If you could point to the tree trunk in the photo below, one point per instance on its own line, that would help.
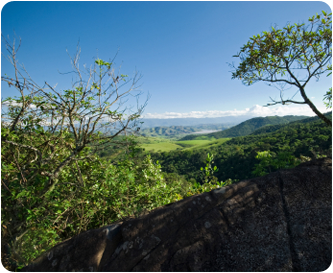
(314, 109)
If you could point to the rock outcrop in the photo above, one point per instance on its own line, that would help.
(279, 222)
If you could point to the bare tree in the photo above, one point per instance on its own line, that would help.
(45, 130)
(91, 111)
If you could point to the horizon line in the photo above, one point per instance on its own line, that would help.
(254, 111)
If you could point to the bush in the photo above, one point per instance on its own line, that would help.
(110, 192)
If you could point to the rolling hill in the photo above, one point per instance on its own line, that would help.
(247, 127)
(236, 157)
(273, 128)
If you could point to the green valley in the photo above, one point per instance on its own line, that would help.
(164, 145)
(236, 157)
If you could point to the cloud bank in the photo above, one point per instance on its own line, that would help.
(255, 111)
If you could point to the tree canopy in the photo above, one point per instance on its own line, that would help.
(289, 56)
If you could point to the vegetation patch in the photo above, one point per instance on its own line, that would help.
(192, 143)
(161, 146)
(236, 157)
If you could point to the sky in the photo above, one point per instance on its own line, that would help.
(181, 49)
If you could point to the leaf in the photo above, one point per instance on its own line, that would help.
(21, 194)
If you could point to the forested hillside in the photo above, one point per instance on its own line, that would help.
(272, 128)
(247, 127)
(236, 158)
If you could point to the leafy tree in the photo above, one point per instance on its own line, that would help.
(264, 164)
(209, 170)
(210, 181)
(269, 161)
(289, 56)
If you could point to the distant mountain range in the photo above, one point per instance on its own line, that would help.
(230, 120)
(180, 131)
(257, 126)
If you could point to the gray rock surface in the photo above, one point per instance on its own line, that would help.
(279, 222)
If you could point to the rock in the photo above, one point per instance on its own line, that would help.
(279, 222)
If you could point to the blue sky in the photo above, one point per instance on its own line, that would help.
(181, 49)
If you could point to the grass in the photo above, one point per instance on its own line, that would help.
(165, 145)
(204, 137)
(191, 143)
(158, 144)
(212, 143)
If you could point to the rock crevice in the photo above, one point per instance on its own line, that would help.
(294, 258)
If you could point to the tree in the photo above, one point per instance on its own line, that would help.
(289, 56)
(91, 106)
(49, 140)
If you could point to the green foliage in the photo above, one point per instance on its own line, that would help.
(328, 98)
(265, 162)
(89, 194)
(269, 162)
(163, 145)
(289, 56)
(53, 184)
(272, 128)
(235, 158)
(198, 188)
(209, 170)
(95, 192)
(107, 193)
(273, 50)
(210, 182)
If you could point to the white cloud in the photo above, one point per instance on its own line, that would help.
(255, 111)
(15, 104)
